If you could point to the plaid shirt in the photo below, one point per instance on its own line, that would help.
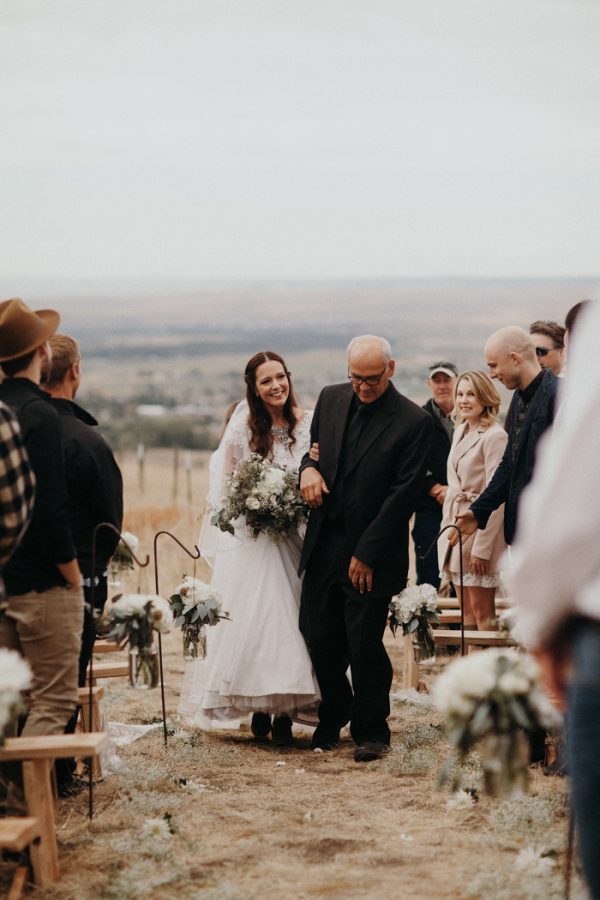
(17, 487)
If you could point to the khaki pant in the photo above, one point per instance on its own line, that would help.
(46, 629)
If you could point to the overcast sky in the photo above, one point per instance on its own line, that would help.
(299, 138)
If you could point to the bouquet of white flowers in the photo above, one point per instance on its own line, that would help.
(122, 558)
(136, 617)
(493, 698)
(15, 677)
(194, 605)
(415, 609)
(266, 495)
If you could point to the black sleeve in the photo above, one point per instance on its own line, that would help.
(51, 509)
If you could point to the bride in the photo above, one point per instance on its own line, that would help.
(257, 663)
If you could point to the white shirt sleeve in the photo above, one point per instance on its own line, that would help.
(555, 561)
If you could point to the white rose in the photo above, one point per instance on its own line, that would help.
(273, 479)
(252, 503)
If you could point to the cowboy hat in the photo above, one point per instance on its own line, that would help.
(22, 330)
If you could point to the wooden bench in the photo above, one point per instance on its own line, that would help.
(15, 835)
(445, 636)
(37, 755)
(104, 646)
(109, 670)
(446, 603)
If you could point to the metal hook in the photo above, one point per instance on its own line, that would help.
(460, 563)
(142, 565)
(195, 556)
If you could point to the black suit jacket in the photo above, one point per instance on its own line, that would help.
(381, 485)
(437, 462)
(509, 480)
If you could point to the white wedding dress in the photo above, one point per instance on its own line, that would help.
(258, 661)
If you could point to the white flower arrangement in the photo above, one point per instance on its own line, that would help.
(493, 697)
(415, 610)
(122, 558)
(15, 677)
(266, 495)
(136, 616)
(194, 605)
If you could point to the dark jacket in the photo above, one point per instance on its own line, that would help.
(509, 480)
(437, 461)
(94, 485)
(48, 539)
(381, 485)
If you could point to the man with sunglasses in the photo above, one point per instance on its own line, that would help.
(362, 491)
(549, 342)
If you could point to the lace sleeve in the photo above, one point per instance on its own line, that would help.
(234, 446)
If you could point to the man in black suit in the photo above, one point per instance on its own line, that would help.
(362, 491)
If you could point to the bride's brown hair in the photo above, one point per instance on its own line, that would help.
(259, 420)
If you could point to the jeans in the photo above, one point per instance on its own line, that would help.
(583, 741)
(427, 523)
(46, 629)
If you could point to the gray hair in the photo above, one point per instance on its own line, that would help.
(372, 341)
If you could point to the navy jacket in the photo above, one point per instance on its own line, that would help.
(508, 481)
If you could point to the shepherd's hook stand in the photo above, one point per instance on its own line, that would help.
(142, 565)
(460, 563)
(160, 656)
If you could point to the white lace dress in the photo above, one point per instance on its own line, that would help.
(259, 660)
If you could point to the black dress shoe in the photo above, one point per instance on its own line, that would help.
(281, 732)
(324, 740)
(260, 725)
(370, 750)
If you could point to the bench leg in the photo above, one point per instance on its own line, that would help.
(40, 804)
(18, 884)
(94, 725)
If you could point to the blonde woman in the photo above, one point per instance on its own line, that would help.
(477, 448)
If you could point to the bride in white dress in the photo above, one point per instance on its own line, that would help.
(258, 663)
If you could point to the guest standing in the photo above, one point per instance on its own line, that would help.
(428, 516)
(549, 342)
(478, 446)
(43, 618)
(94, 483)
(511, 359)
(556, 577)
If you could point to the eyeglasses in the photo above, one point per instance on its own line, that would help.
(371, 380)
(543, 351)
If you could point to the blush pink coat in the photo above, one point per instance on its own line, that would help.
(473, 459)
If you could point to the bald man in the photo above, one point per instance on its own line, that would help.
(373, 445)
(511, 358)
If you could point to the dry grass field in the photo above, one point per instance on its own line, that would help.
(242, 820)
